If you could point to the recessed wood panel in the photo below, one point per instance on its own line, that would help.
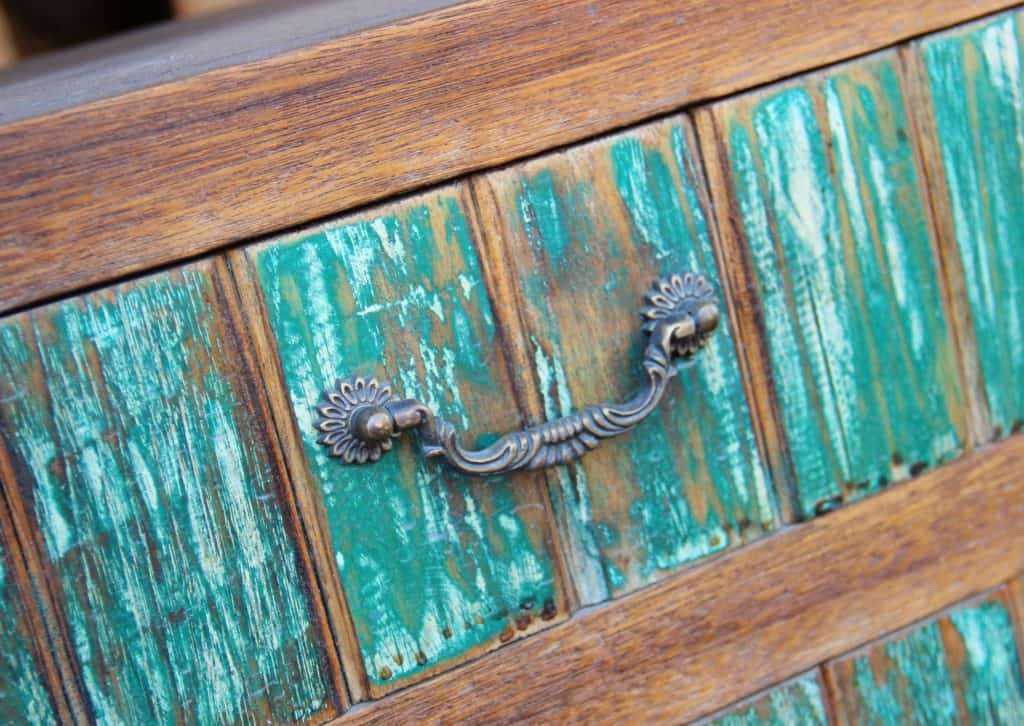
(581, 235)
(136, 449)
(822, 206)
(435, 566)
(798, 702)
(962, 668)
(973, 117)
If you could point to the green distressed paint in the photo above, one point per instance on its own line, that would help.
(962, 668)
(589, 230)
(861, 353)
(977, 90)
(23, 695)
(799, 702)
(134, 445)
(434, 565)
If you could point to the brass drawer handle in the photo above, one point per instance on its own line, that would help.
(359, 416)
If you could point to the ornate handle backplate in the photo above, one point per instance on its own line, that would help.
(359, 417)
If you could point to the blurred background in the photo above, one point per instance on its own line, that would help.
(32, 27)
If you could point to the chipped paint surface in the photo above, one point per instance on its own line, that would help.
(831, 208)
(589, 230)
(963, 668)
(797, 703)
(23, 695)
(977, 91)
(134, 446)
(434, 565)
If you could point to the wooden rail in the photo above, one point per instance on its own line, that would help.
(731, 626)
(160, 174)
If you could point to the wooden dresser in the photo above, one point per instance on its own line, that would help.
(220, 242)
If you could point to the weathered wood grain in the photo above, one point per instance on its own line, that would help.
(972, 111)
(710, 635)
(800, 702)
(170, 171)
(25, 696)
(582, 235)
(826, 213)
(962, 668)
(436, 567)
(127, 419)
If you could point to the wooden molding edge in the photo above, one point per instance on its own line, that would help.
(258, 382)
(311, 520)
(166, 173)
(954, 279)
(711, 635)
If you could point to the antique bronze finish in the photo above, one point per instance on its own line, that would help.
(359, 416)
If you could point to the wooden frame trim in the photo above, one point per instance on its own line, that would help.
(711, 635)
(166, 173)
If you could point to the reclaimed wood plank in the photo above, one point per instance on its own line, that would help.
(436, 567)
(710, 635)
(128, 422)
(25, 694)
(584, 233)
(826, 212)
(962, 668)
(152, 172)
(801, 701)
(973, 115)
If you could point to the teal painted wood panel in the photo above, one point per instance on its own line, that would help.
(134, 443)
(963, 668)
(829, 204)
(587, 231)
(977, 105)
(800, 702)
(23, 694)
(435, 566)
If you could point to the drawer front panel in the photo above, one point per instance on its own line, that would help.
(23, 695)
(586, 232)
(963, 668)
(132, 438)
(801, 701)
(434, 565)
(831, 213)
(974, 80)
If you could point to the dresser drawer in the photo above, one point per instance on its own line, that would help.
(640, 380)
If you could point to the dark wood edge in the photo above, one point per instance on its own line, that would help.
(921, 113)
(744, 621)
(256, 386)
(162, 174)
(312, 519)
(743, 301)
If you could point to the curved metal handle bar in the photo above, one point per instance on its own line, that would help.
(359, 417)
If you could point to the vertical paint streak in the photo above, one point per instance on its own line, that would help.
(435, 565)
(159, 511)
(862, 356)
(974, 77)
(589, 230)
